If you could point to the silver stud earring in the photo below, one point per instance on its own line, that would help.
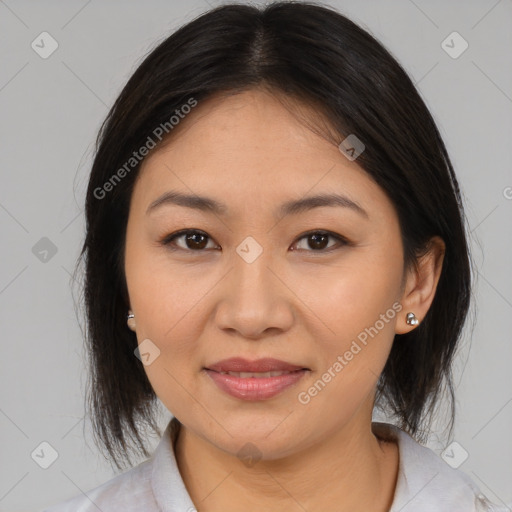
(130, 320)
(411, 319)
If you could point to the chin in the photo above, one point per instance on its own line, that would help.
(255, 437)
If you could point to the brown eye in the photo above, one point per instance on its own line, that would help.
(192, 240)
(317, 241)
(196, 240)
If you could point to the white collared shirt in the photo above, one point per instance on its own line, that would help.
(425, 483)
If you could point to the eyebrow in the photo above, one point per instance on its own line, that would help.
(292, 207)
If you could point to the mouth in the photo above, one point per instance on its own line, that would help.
(258, 375)
(254, 380)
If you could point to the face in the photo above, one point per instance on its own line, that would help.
(316, 286)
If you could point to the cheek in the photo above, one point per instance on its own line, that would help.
(166, 308)
(160, 291)
(170, 313)
(353, 308)
(353, 295)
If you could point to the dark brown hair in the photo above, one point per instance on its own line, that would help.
(314, 55)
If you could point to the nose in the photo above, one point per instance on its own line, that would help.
(254, 299)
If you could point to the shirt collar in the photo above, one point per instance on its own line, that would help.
(168, 487)
(424, 480)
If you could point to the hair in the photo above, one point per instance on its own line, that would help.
(315, 56)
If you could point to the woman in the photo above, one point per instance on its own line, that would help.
(275, 248)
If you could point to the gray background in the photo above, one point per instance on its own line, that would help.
(51, 110)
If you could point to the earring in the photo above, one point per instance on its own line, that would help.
(130, 320)
(411, 319)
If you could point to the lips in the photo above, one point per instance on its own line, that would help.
(240, 366)
(254, 380)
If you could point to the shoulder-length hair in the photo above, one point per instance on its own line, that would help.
(314, 55)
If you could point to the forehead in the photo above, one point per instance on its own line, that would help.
(250, 149)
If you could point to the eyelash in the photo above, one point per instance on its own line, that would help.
(169, 239)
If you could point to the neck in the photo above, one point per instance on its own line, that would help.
(349, 470)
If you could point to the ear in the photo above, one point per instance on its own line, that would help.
(421, 284)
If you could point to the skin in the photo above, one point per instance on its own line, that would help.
(302, 305)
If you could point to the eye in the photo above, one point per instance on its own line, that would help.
(197, 240)
(193, 239)
(318, 240)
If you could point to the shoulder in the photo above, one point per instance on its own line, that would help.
(426, 482)
(128, 491)
(155, 485)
